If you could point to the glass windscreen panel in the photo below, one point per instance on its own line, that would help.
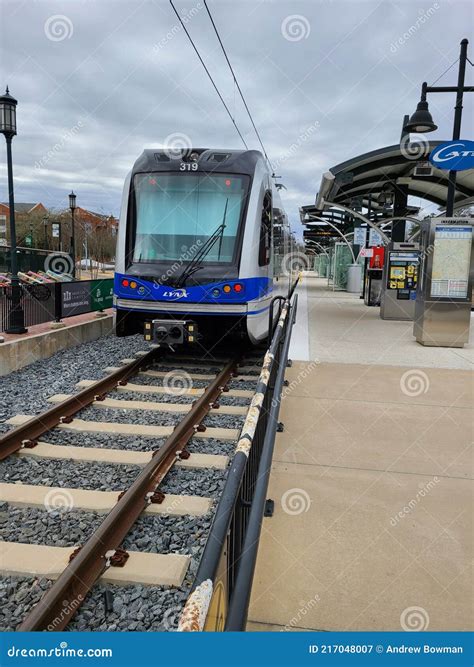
(176, 213)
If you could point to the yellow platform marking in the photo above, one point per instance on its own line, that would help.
(50, 497)
(17, 559)
(44, 450)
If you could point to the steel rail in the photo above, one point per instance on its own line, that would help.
(196, 609)
(94, 556)
(28, 432)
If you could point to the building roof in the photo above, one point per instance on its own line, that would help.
(367, 174)
(21, 207)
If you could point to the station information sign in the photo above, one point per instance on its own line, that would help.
(359, 236)
(451, 261)
(374, 237)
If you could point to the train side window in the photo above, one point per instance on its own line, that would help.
(265, 231)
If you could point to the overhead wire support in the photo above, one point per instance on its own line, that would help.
(236, 82)
(208, 73)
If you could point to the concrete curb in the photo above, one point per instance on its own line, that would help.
(22, 352)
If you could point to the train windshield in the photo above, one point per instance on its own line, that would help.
(177, 213)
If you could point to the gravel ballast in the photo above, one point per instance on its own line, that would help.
(130, 607)
(105, 476)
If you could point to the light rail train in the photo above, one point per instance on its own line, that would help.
(203, 246)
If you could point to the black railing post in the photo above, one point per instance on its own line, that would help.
(58, 302)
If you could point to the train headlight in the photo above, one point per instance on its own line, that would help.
(227, 289)
(215, 292)
(133, 284)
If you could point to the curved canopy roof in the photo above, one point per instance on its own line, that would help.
(368, 174)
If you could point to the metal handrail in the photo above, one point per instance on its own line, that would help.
(239, 603)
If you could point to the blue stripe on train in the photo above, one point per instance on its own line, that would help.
(254, 288)
(186, 312)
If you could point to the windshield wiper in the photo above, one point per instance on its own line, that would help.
(195, 262)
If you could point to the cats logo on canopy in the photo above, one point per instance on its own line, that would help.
(453, 155)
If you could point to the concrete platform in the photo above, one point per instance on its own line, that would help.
(372, 480)
(337, 327)
(44, 340)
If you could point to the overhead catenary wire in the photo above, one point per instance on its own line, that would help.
(236, 82)
(445, 71)
(208, 73)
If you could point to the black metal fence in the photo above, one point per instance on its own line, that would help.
(28, 259)
(227, 567)
(56, 301)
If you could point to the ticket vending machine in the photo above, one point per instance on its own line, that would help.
(399, 281)
(444, 300)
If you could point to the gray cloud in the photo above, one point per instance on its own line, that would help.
(109, 78)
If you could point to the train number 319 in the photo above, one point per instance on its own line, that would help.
(188, 166)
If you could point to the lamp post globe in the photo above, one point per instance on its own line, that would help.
(16, 316)
(421, 121)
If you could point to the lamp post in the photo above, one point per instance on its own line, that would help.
(72, 206)
(16, 319)
(45, 225)
(421, 120)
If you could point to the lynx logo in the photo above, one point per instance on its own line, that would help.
(176, 294)
(453, 155)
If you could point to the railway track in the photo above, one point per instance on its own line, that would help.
(108, 480)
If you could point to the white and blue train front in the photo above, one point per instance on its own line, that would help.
(201, 239)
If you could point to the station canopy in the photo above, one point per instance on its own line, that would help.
(376, 173)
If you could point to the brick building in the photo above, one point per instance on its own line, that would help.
(22, 211)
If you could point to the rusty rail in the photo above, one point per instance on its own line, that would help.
(20, 436)
(94, 556)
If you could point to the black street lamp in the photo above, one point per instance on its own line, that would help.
(72, 206)
(421, 120)
(16, 319)
(45, 225)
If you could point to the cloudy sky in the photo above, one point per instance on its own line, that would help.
(99, 80)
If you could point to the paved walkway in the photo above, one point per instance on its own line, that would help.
(372, 479)
(46, 327)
